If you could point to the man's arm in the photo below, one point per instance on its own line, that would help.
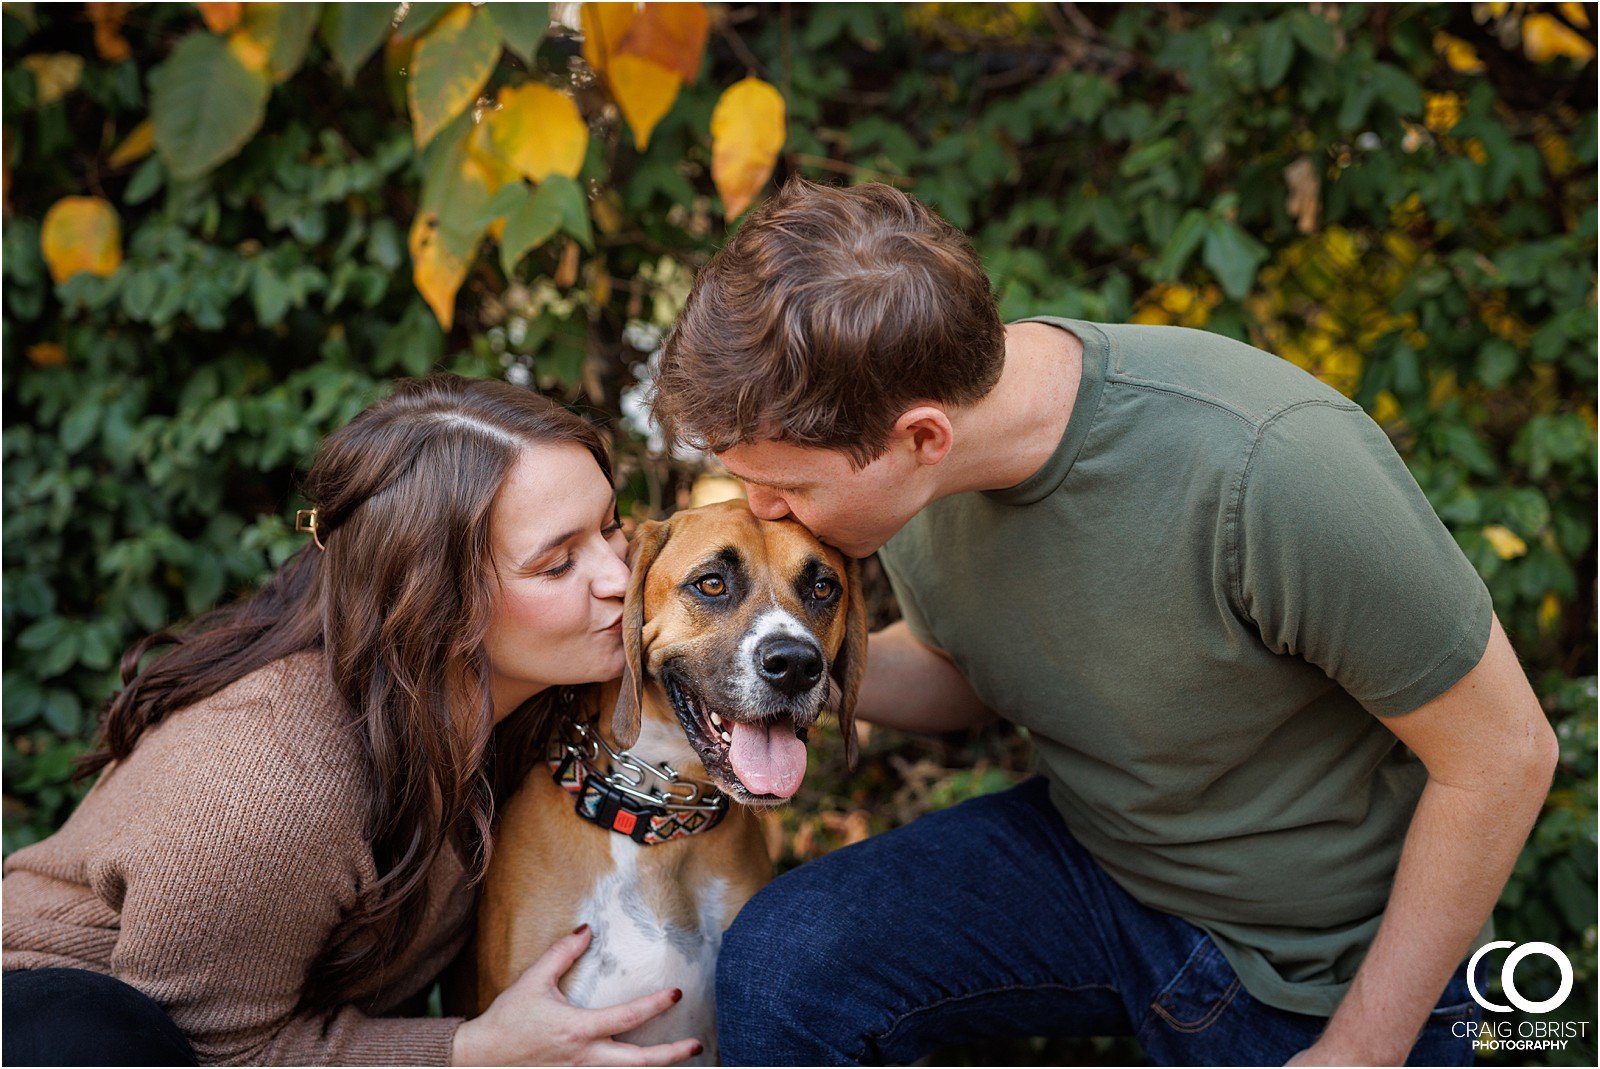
(915, 687)
(1490, 755)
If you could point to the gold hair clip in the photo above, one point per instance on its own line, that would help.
(305, 520)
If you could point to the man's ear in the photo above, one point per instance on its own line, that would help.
(850, 663)
(927, 432)
(625, 720)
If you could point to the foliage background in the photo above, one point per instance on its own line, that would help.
(1400, 198)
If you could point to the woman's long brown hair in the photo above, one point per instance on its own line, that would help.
(399, 604)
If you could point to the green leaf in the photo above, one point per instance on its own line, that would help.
(418, 18)
(574, 207)
(146, 180)
(148, 607)
(1233, 256)
(448, 71)
(1398, 89)
(205, 105)
(1497, 363)
(269, 293)
(79, 426)
(1276, 52)
(522, 27)
(353, 32)
(63, 711)
(1185, 239)
(1357, 102)
(1315, 32)
(288, 27)
(43, 634)
(511, 196)
(533, 223)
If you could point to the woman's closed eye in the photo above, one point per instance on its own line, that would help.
(570, 558)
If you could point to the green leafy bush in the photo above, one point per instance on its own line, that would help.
(1399, 198)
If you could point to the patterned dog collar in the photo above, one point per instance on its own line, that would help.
(622, 801)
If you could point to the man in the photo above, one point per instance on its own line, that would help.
(1210, 590)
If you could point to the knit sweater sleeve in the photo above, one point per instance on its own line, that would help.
(229, 885)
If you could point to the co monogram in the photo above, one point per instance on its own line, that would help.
(1508, 981)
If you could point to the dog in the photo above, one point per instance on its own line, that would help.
(738, 633)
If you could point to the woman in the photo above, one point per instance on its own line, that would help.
(295, 799)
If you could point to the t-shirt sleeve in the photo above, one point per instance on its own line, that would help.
(228, 897)
(1340, 559)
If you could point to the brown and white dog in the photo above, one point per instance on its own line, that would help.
(738, 634)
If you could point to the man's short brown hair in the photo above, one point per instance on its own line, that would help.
(828, 314)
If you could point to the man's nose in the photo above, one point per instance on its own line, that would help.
(766, 504)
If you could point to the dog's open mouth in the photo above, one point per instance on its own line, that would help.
(767, 756)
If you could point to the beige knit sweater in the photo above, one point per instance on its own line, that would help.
(209, 868)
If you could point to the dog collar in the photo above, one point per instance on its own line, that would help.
(621, 801)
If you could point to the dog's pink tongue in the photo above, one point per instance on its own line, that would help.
(767, 757)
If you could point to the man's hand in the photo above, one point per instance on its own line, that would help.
(915, 687)
(1490, 755)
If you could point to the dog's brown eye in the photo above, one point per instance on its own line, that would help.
(823, 589)
(711, 586)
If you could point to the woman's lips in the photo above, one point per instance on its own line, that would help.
(614, 629)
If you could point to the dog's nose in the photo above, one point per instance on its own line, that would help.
(791, 665)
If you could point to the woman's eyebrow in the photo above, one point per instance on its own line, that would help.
(610, 510)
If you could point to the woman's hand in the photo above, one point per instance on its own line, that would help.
(532, 1023)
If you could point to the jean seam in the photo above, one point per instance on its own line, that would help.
(901, 1018)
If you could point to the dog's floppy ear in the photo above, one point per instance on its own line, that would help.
(642, 553)
(851, 661)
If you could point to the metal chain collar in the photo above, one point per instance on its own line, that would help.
(628, 774)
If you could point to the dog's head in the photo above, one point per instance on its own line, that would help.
(742, 631)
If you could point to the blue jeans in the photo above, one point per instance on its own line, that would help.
(989, 920)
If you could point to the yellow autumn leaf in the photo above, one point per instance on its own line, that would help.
(47, 354)
(604, 27)
(1386, 409)
(1458, 54)
(1442, 111)
(81, 234)
(1545, 37)
(437, 272)
(567, 270)
(537, 131)
(485, 168)
(447, 230)
(1505, 542)
(748, 129)
(108, 40)
(644, 90)
(1442, 389)
(671, 35)
(253, 55)
(136, 146)
(56, 74)
(1549, 611)
(221, 18)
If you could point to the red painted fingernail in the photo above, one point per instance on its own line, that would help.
(698, 1049)
(580, 929)
(677, 993)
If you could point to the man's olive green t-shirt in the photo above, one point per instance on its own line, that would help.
(1201, 607)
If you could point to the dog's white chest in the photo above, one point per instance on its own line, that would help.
(635, 951)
